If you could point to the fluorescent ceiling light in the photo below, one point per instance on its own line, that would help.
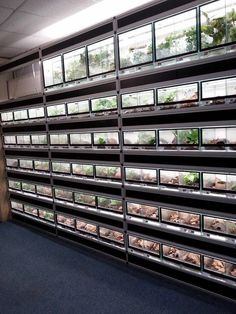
(94, 14)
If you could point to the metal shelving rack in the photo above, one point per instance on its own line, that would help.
(152, 76)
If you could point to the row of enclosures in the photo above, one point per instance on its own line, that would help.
(205, 27)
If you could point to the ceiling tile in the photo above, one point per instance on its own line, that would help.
(9, 52)
(4, 14)
(12, 4)
(8, 38)
(28, 42)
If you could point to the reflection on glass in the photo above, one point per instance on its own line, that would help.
(13, 184)
(219, 88)
(111, 235)
(85, 199)
(64, 194)
(17, 206)
(78, 107)
(41, 165)
(82, 225)
(66, 221)
(28, 187)
(103, 104)
(220, 266)
(30, 210)
(111, 172)
(58, 139)
(39, 139)
(139, 99)
(135, 46)
(220, 225)
(214, 136)
(12, 162)
(9, 139)
(181, 255)
(44, 190)
(23, 139)
(179, 93)
(101, 57)
(75, 64)
(144, 245)
(108, 138)
(109, 203)
(143, 210)
(7, 116)
(180, 218)
(46, 214)
(36, 113)
(214, 181)
(173, 37)
(81, 139)
(56, 110)
(61, 167)
(52, 70)
(218, 23)
(145, 138)
(178, 137)
(20, 115)
(82, 170)
(141, 175)
(179, 178)
(28, 164)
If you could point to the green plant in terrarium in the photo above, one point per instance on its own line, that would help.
(146, 138)
(105, 104)
(191, 38)
(49, 216)
(76, 69)
(191, 179)
(101, 141)
(188, 137)
(168, 97)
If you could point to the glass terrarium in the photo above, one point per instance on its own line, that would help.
(215, 137)
(41, 165)
(220, 225)
(148, 176)
(219, 266)
(109, 204)
(214, 181)
(61, 167)
(231, 183)
(10, 162)
(84, 226)
(28, 187)
(52, 71)
(20, 115)
(30, 210)
(140, 138)
(85, 199)
(35, 113)
(83, 170)
(178, 94)
(104, 104)
(75, 64)
(59, 139)
(13, 184)
(111, 235)
(46, 215)
(142, 210)
(139, 99)
(10, 140)
(219, 88)
(182, 256)
(78, 107)
(101, 57)
(181, 218)
(23, 139)
(173, 37)
(108, 172)
(66, 221)
(180, 178)
(135, 46)
(56, 110)
(44, 190)
(218, 23)
(27, 164)
(146, 245)
(39, 139)
(17, 206)
(106, 138)
(81, 139)
(63, 194)
(6, 116)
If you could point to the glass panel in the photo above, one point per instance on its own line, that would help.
(20, 115)
(110, 203)
(39, 139)
(14, 184)
(108, 172)
(142, 210)
(66, 221)
(218, 88)
(58, 139)
(12, 162)
(7, 116)
(179, 178)
(28, 187)
(231, 183)
(86, 227)
(141, 175)
(110, 138)
(9, 140)
(167, 137)
(56, 110)
(144, 245)
(17, 206)
(61, 167)
(46, 214)
(26, 164)
(215, 136)
(173, 37)
(135, 46)
(219, 266)
(231, 136)
(85, 199)
(52, 70)
(75, 64)
(220, 225)
(63, 194)
(101, 57)
(81, 139)
(214, 181)
(102, 104)
(78, 107)
(82, 170)
(182, 255)
(41, 165)
(111, 235)
(218, 23)
(23, 139)
(36, 113)
(138, 99)
(187, 137)
(44, 190)
(180, 93)
(140, 138)
(230, 86)
(30, 210)
(180, 218)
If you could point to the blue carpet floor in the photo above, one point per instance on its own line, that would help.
(43, 275)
